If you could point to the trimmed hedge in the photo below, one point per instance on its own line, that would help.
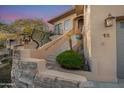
(70, 60)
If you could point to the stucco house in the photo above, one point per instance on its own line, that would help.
(70, 21)
(101, 28)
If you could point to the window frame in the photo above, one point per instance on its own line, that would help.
(69, 24)
(59, 28)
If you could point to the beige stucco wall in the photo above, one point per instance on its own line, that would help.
(103, 50)
(71, 17)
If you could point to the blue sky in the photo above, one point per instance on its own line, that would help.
(12, 12)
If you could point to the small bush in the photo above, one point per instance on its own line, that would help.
(70, 60)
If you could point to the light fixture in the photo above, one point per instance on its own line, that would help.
(109, 21)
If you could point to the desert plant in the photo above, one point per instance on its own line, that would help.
(70, 60)
(35, 29)
(69, 34)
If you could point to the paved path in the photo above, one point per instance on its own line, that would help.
(95, 84)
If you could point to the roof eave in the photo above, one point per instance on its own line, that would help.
(63, 15)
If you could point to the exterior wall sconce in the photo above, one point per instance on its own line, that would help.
(109, 21)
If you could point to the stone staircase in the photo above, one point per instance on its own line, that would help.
(32, 73)
(51, 59)
(51, 62)
(53, 65)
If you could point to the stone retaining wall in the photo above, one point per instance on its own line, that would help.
(24, 72)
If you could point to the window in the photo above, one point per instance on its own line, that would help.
(67, 25)
(58, 29)
(122, 25)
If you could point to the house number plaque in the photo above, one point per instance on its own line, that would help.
(106, 35)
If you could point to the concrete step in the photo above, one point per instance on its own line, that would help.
(57, 79)
(51, 60)
(53, 66)
(52, 56)
(65, 75)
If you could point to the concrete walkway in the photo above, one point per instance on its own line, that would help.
(96, 84)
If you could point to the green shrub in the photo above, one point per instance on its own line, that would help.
(70, 60)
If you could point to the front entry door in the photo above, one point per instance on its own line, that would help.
(80, 25)
(120, 49)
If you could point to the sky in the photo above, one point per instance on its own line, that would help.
(9, 13)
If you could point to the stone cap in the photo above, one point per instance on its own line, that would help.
(32, 60)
